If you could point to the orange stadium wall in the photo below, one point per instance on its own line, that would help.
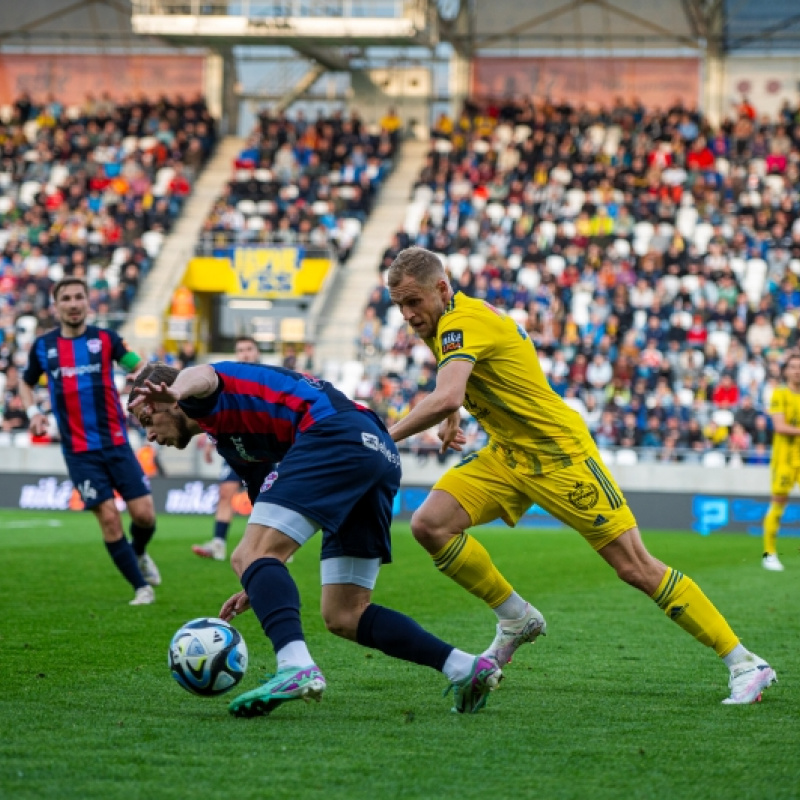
(657, 82)
(71, 77)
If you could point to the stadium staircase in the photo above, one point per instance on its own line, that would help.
(337, 333)
(143, 331)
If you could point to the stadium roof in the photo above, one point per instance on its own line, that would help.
(577, 26)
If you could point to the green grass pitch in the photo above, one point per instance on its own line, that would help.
(616, 702)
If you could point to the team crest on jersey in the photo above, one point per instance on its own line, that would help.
(268, 481)
(584, 496)
(312, 382)
(452, 340)
(94, 345)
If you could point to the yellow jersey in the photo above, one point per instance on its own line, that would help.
(507, 391)
(786, 449)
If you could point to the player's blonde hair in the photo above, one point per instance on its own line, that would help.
(418, 263)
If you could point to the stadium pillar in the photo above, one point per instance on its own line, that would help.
(230, 90)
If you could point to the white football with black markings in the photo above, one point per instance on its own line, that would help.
(207, 656)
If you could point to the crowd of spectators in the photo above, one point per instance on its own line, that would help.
(304, 182)
(86, 190)
(653, 259)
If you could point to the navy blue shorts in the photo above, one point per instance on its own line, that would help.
(227, 474)
(343, 473)
(97, 473)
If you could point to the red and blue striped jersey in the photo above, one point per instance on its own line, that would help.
(257, 411)
(80, 378)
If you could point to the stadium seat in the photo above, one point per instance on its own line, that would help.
(522, 133)
(477, 261)
(776, 184)
(246, 207)
(458, 264)
(721, 341)
(622, 247)
(152, 241)
(268, 207)
(738, 267)
(423, 194)
(626, 457)
(496, 212)
(555, 264)
(713, 458)
(529, 277)
(703, 231)
(607, 456)
(548, 230)
(723, 417)
(685, 221)
(6, 439)
(671, 284)
(575, 200)
(21, 439)
(754, 278)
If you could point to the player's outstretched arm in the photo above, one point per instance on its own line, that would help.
(444, 400)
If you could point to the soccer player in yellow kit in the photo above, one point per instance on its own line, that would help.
(784, 462)
(539, 451)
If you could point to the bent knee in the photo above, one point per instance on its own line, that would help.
(428, 532)
(341, 623)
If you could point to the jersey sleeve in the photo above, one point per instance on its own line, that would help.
(34, 370)
(127, 359)
(463, 338)
(198, 407)
(777, 403)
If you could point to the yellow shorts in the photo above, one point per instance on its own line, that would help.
(783, 479)
(495, 483)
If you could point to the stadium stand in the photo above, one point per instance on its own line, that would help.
(89, 191)
(653, 259)
(302, 182)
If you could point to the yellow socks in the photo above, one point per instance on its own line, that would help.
(772, 521)
(469, 564)
(683, 602)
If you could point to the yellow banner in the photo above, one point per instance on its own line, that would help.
(266, 272)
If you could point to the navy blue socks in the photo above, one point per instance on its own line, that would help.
(275, 600)
(125, 559)
(400, 636)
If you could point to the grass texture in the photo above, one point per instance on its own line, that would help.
(616, 702)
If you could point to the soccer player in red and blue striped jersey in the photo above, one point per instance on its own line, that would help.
(339, 472)
(77, 360)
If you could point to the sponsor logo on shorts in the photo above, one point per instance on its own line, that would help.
(599, 520)
(88, 492)
(452, 340)
(371, 441)
(269, 481)
(584, 496)
(94, 345)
